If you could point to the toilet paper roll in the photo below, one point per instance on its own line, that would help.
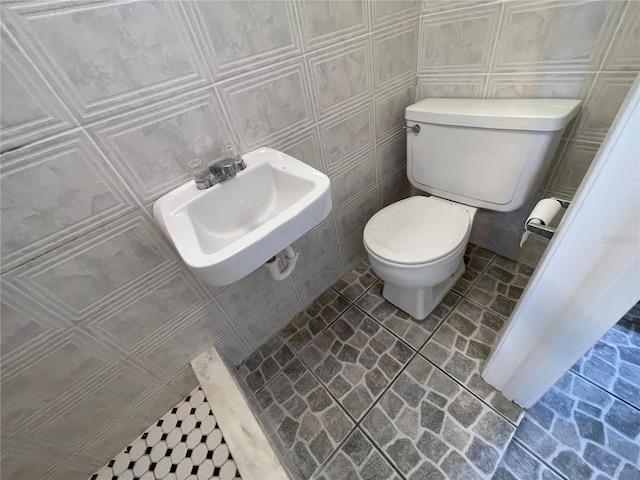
(542, 214)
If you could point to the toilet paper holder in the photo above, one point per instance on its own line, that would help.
(543, 230)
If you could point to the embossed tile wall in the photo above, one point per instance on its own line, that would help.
(103, 103)
(516, 48)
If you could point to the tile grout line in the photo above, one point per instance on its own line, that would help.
(416, 352)
(600, 387)
(471, 392)
(293, 350)
(320, 382)
(521, 444)
(356, 422)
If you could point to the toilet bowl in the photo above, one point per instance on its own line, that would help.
(416, 246)
(468, 154)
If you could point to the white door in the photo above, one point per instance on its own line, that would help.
(589, 276)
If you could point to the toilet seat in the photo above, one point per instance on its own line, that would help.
(418, 230)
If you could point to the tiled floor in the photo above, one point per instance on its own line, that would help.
(185, 444)
(587, 426)
(354, 388)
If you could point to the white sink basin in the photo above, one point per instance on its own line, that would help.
(227, 231)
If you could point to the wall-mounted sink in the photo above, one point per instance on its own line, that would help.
(225, 232)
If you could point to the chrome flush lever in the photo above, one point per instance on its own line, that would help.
(415, 128)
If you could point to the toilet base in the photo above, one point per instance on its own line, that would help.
(419, 303)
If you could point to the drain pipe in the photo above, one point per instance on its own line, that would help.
(290, 259)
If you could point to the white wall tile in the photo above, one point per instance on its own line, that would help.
(151, 146)
(24, 326)
(573, 165)
(346, 135)
(353, 249)
(54, 191)
(314, 245)
(271, 318)
(358, 176)
(460, 41)
(88, 273)
(326, 21)
(248, 295)
(390, 108)
(54, 373)
(606, 97)
(450, 86)
(238, 36)
(434, 6)
(304, 146)
(555, 36)
(625, 51)
(327, 272)
(539, 85)
(387, 12)
(103, 57)
(394, 54)
(355, 213)
(393, 189)
(269, 103)
(22, 460)
(108, 441)
(166, 356)
(234, 347)
(340, 76)
(30, 109)
(391, 154)
(140, 318)
(112, 392)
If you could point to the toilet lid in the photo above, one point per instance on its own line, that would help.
(416, 230)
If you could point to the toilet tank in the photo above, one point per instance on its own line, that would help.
(484, 153)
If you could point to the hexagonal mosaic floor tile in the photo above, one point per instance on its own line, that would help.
(185, 444)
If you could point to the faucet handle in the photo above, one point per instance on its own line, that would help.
(232, 152)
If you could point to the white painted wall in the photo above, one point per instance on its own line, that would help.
(589, 275)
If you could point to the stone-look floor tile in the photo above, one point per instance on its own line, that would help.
(414, 332)
(307, 325)
(263, 364)
(476, 260)
(633, 315)
(354, 283)
(461, 345)
(358, 459)
(500, 287)
(303, 417)
(582, 431)
(356, 359)
(432, 427)
(519, 464)
(614, 362)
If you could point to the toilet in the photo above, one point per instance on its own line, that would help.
(466, 154)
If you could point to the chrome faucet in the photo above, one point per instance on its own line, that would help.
(214, 173)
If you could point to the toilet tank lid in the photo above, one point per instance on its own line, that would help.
(503, 114)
